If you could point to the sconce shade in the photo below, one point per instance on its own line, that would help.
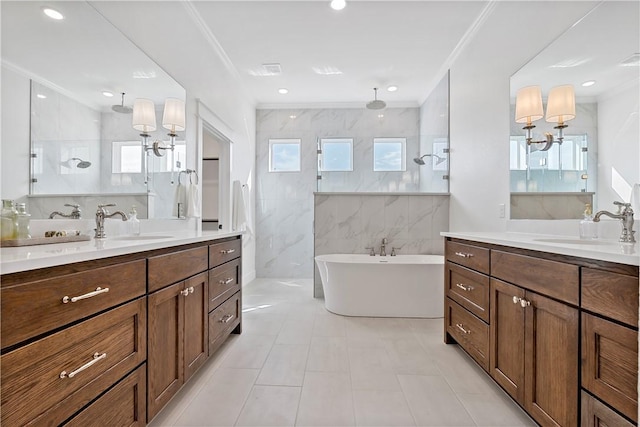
(529, 104)
(144, 115)
(174, 117)
(561, 106)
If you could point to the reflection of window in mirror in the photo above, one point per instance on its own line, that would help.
(284, 155)
(126, 157)
(389, 154)
(337, 154)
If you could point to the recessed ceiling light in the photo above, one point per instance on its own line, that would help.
(392, 88)
(589, 83)
(41, 96)
(107, 94)
(380, 116)
(338, 4)
(293, 116)
(283, 91)
(52, 13)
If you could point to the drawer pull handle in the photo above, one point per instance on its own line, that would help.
(184, 292)
(226, 281)
(226, 318)
(464, 255)
(227, 251)
(464, 331)
(467, 288)
(524, 303)
(98, 291)
(96, 358)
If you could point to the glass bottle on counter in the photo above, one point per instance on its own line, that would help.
(23, 221)
(8, 221)
(133, 222)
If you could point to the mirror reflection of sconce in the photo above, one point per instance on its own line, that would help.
(144, 120)
(561, 107)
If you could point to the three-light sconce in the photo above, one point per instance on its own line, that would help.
(561, 107)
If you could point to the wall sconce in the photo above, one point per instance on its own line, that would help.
(561, 107)
(144, 120)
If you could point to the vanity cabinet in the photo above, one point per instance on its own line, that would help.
(562, 330)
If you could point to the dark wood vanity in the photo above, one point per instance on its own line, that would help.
(558, 333)
(111, 341)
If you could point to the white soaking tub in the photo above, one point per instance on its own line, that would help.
(375, 286)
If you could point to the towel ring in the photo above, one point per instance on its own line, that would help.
(188, 172)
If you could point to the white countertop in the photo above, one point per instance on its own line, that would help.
(13, 260)
(599, 249)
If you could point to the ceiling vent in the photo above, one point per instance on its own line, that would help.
(272, 69)
(632, 61)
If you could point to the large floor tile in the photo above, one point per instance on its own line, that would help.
(494, 410)
(270, 406)
(285, 365)
(329, 325)
(381, 408)
(295, 332)
(433, 402)
(409, 357)
(326, 400)
(328, 354)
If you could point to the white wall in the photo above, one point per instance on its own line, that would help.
(479, 105)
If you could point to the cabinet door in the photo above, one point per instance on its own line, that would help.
(165, 355)
(196, 305)
(551, 361)
(507, 338)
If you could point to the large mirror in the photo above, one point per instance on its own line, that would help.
(83, 147)
(597, 162)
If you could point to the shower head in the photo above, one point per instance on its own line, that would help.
(376, 104)
(421, 162)
(122, 108)
(82, 164)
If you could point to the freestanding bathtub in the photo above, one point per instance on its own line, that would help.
(375, 286)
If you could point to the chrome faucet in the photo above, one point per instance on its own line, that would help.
(383, 247)
(75, 213)
(101, 214)
(625, 214)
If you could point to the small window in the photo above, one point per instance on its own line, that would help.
(337, 154)
(389, 154)
(284, 155)
(126, 157)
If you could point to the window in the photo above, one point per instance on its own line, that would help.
(337, 154)
(284, 155)
(126, 157)
(389, 154)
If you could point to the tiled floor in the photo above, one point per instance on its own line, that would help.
(297, 364)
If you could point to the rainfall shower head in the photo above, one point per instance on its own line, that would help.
(122, 108)
(421, 162)
(82, 164)
(376, 104)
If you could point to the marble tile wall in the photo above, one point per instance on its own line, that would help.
(549, 205)
(284, 201)
(349, 223)
(40, 207)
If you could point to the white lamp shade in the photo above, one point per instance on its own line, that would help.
(529, 104)
(144, 115)
(561, 106)
(174, 116)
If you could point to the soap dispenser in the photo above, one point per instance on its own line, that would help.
(133, 222)
(588, 228)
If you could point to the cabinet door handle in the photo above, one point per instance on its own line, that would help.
(516, 299)
(464, 255)
(226, 318)
(226, 281)
(524, 303)
(467, 288)
(184, 292)
(461, 327)
(191, 289)
(96, 358)
(227, 251)
(98, 291)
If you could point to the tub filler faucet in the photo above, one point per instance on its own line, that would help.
(383, 247)
(625, 214)
(372, 251)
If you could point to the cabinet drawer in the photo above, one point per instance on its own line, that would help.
(555, 279)
(471, 333)
(223, 320)
(171, 268)
(123, 405)
(219, 253)
(610, 294)
(52, 378)
(597, 414)
(33, 308)
(474, 257)
(469, 289)
(610, 363)
(223, 282)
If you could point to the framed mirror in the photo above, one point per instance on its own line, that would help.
(84, 76)
(597, 161)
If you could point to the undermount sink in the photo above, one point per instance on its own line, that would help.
(570, 241)
(143, 237)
